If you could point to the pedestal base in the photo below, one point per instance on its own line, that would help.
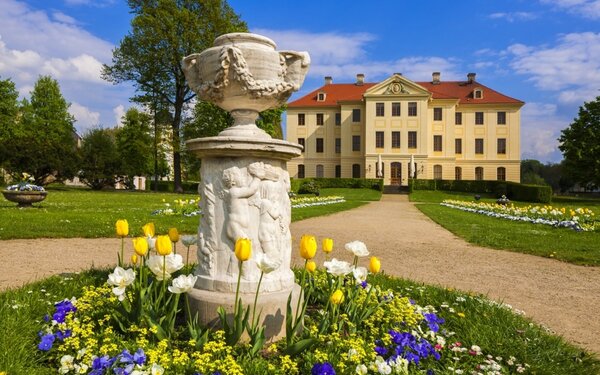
(273, 306)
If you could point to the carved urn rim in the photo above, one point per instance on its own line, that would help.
(244, 38)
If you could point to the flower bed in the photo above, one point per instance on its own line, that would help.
(185, 207)
(135, 324)
(301, 202)
(580, 219)
(26, 184)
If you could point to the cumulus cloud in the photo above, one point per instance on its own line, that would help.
(119, 112)
(513, 16)
(540, 128)
(585, 8)
(571, 67)
(92, 3)
(85, 118)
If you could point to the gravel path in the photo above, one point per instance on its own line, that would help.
(562, 296)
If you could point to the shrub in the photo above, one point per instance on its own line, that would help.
(309, 187)
(169, 186)
(340, 183)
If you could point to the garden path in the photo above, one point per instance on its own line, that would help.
(562, 296)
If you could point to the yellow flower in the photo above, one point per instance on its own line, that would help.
(134, 259)
(140, 245)
(462, 315)
(308, 247)
(163, 245)
(311, 266)
(243, 249)
(337, 297)
(327, 245)
(122, 228)
(148, 230)
(374, 265)
(173, 234)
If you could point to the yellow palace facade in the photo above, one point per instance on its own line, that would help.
(454, 130)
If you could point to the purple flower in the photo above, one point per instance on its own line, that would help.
(433, 321)
(61, 335)
(46, 342)
(322, 369)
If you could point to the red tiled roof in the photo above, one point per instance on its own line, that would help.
(461, 90)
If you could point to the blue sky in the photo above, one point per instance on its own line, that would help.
(544, 52)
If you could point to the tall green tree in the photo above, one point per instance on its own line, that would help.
(100, 162)
(162, 33)
(9, 110)
(580, 145)
(46, 137)
(135, 146)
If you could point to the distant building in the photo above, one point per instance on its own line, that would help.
(455, 130)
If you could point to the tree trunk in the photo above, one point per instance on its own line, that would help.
(176, 142)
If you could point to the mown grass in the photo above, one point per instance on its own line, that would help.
(495, 329)
(542, 240)
(70, 213)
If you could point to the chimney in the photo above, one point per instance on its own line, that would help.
(328, 80)
(471, 77)
(435, 78)
(360, 79)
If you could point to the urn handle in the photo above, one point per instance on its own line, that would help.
(295, 66)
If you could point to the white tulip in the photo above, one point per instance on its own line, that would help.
(183, 284)
(360, 274)
(174, 262)
(265, 264)
(338, 267)
(151, 242)
(157, 369)
(358, 248)
(120, 279)
(189, 240)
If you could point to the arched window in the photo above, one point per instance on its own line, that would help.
(479, 173)
(437, 172)
(501, 174)
(457, 173)
(320, 170)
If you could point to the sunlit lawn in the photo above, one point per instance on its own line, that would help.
(69, 212)
(542, 240)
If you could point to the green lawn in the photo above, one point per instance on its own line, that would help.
(69, 212)
(542, 240)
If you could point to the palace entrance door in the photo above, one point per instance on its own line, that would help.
(396, 173)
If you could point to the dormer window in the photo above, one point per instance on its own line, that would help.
(478, 93)
(321, 97)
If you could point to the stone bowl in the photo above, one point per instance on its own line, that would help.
(24, 198)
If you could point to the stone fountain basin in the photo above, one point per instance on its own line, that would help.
(24, 198)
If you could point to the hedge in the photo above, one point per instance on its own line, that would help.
(352, 183)
(169, 186)
(512, 190)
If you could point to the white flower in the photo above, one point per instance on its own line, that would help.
(156, 369)
(183, 284)
(338, 267)
(66, 364)
(151, 242)
(361, 369)
(358, 248)
(174, 262)
(265, 264)
(360, 274)
(120, 279)
(189, 240)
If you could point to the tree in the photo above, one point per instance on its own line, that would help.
(100, 159)
(9, 110)
(162, 33)
(135, 146)
(580, 145)
(45, 136)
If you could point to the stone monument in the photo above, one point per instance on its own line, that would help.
(244, 180)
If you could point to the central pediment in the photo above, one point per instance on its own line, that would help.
(397, 85)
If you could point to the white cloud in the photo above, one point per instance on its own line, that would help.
(93, 3)
(584, 8)
(540, 129)
(571, 67)
(61, 17)
(80, 68)
(514, 16)
(86, 119)
(119, 112)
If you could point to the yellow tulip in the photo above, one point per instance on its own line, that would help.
(134, 259)
(163, 245)
(173, 234)
(374, 265)
(311, 266)
(122, 228)
(243, 249)
(308, 247)
(327, 245)
(337, 297)
(148, 230)
(140, 245)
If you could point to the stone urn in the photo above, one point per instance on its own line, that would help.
(24, 198)
(244, 179)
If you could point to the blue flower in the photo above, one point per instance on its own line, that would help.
(99, 364)
(46, 342)
(322, 369)
(61, 335)
(433, 321)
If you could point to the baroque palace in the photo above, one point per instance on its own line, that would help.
(455, 130)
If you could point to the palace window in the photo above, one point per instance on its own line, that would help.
(320, 171)
(458, 146)
(479, 145)
(501, 174)
(396, 109)
(301, 171)
(437, 172)
(338, 145)
(395, 139)
(479, 173)
(478, 118)
(301, 141)
(501, 118)
(379, 109)
(301, 119)
(379, 136)
(355, 170)
(437, 143)
(457, 173)
(338, 171)
(437, 114)
(356, 115)
(321, 97)
(319, 144)
(458, 118)
(356, 143)
(320, 119)
(478, 93)
(412, 109)
(338, 118)
(412, 139)
(502, 146)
